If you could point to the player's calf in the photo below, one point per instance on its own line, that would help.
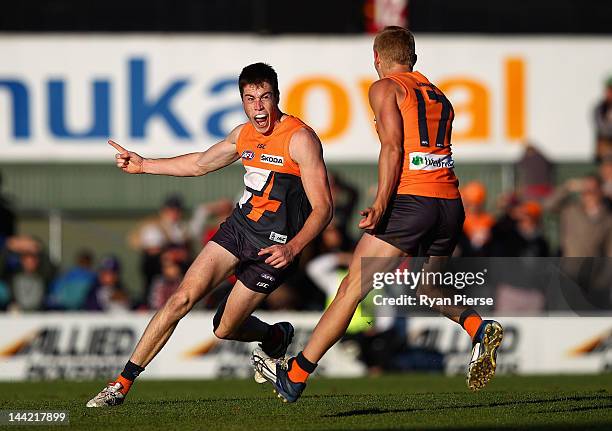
(277, 340)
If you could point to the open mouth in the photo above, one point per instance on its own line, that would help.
(261, 119)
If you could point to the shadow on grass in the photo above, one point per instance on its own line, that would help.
(378, 411)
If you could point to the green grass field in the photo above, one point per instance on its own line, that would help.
(389, 402)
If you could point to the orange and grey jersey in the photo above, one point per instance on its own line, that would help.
(274, 205)
(428, 160)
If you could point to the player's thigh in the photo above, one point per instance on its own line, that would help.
(240, 304)
(371, 255)
(449, 228)
(408, 223)
(212, 265)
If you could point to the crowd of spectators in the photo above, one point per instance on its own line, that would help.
(512, 224)
(167, 242)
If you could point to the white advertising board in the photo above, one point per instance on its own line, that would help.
(63, 96)
(90, 345)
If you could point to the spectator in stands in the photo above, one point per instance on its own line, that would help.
(585, 223)
(605, 173)
(528, 226)
(534, 174)
(585, 235)
(71, 289)
(330, 245)
(603, 123)
(7, 218)
(169, 230)
(10, 255)
(155, 235)
(330, 266)
(5, 295)
(518, 233)
(207, 217)
(165, 283)
(9, 260)
(29, 283)
(478, 222)
(345, 197)
(109, 294)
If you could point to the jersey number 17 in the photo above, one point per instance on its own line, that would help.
(443, 123)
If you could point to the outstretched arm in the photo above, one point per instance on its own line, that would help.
(216, 157)
(305, 149)
(389, 125)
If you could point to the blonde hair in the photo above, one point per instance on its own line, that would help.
(395, 45)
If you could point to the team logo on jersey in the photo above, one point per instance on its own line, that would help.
(277, 237)
(430, 162)
(272, 160)
(248, 155)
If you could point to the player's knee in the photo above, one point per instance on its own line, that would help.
(349, 290)
(219, 330)
(218, 315)
(222, 332)
(180, 303)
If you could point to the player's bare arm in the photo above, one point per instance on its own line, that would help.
(383, 97)
(306, 150)
(221, 154)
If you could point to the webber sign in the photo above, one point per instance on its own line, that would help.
(62, 97)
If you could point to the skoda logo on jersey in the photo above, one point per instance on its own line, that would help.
(272, 160)
(248, 155)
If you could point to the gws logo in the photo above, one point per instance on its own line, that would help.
(430, 162)
(272, 160)
(248, 155)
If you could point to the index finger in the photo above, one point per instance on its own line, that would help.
(267, 250)
(117, 147)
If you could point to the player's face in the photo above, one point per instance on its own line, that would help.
(260, 106)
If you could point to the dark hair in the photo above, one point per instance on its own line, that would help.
(257, 74)
(84, 257)
(174, 201)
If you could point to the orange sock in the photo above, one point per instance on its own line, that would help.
(471, 324)
(300, 368)
(297, 374)
(127, 384)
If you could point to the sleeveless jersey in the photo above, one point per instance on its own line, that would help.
(274, 206)
(428, 162)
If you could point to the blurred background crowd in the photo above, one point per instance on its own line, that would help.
(514, 223)
(80, 254)
(81, 236)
